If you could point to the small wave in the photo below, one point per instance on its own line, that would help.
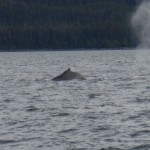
(72, 147)
(68, 130)
(133, 117)
(111, 148)
(96, 80)
(63, 114)
(91, 96)
(70, 107)
(100, 128)
(32, 108)
(141, 147)
(60, 114)
(7, 141)
(91, 117)
(10, 141)
(139, 133)
(141, 100)
(96, 130)
(8, 100)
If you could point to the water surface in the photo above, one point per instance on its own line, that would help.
(108, 111)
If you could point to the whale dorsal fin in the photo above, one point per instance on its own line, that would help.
(66, 71)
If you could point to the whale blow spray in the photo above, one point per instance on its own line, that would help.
(141, 24)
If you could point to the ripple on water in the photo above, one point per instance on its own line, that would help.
(141, 147)
(68, 130)
(108, 111)
(59, 114)
(142, 100)
(93, 95)
(100, 128)
(7, 141)
(111, 148)
(141, 133)
(32, 109)
(9, 100)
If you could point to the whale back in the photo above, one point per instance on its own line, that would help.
(69, 75)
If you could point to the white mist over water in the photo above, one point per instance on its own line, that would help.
(141, 24)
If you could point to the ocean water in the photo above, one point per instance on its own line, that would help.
(108, 111)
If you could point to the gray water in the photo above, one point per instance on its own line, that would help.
(108, 111)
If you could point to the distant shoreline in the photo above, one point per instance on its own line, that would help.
(69, 50)
(68, 24)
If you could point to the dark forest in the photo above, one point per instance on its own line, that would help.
(66, 24)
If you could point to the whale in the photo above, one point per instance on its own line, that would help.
(69, 75)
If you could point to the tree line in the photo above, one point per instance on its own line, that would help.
(66, 24)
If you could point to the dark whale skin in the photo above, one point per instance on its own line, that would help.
(69, 75)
